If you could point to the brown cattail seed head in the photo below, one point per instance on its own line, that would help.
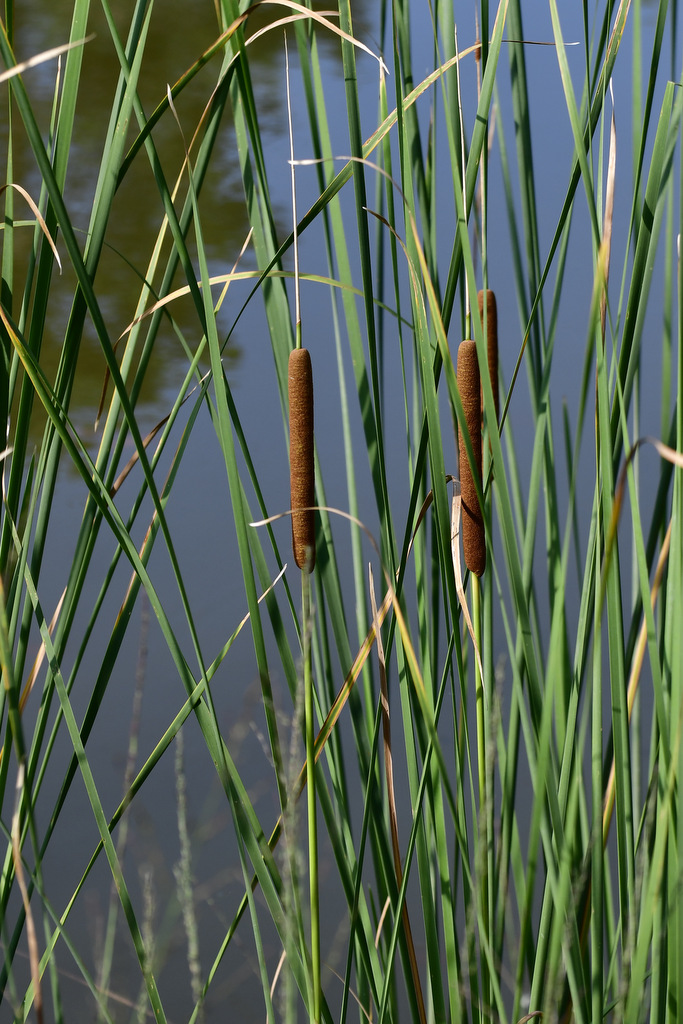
(473, 539)
(301, 457)
(491, 340)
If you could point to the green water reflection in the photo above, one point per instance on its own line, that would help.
(177, 38)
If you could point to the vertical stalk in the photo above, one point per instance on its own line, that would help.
(309, 726)
(484, 834)
(302, 496)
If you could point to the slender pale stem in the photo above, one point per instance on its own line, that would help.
(295, 243)
(309, 714)
(483, 797)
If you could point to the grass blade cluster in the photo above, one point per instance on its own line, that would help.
(490, 747)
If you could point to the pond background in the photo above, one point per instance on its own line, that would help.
(199, 511)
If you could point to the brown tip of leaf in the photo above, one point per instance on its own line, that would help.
(301, 458)
(473, 538)
(491, 340)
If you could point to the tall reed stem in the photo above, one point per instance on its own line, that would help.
(309, 714)
(485, 837)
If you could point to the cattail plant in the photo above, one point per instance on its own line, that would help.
(302, 496)
(301, 462)
(469, 385)
(489, 299)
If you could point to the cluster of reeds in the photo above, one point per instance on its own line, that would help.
(528, 863)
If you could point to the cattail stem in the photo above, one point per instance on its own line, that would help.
(473, 538)
(485, 835)
(309, 729)
(301, 458)
(488, 299)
